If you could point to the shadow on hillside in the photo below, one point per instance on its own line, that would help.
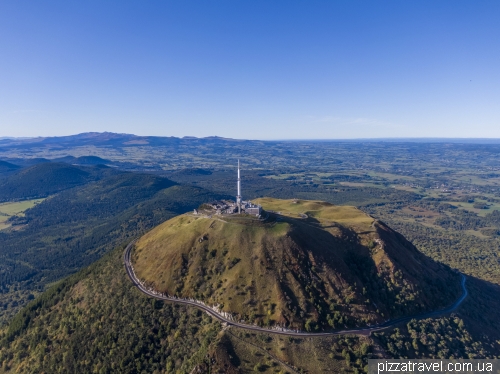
(408, 283)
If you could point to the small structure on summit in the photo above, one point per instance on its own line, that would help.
(245, 206)
(234, 207)
(238, 196)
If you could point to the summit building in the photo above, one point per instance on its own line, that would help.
(240, 206)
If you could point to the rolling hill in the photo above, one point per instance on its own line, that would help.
(7, 166)
(82, 160)
(313, 266)
(75, 227)
(95, 321)
(44, 179)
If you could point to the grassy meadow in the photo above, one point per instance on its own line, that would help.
(17, 208)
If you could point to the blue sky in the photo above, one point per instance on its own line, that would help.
(251, 69)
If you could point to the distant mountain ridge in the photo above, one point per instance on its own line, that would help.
(123, 139)
(156, 153)
(105, 138)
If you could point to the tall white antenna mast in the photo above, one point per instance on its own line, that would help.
(238, 197)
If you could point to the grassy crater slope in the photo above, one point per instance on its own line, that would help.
(96, 321)
(310, 265)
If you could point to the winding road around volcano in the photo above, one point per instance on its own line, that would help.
(354, 331)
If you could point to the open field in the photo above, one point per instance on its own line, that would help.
(320, 210)
(488, 207)
(17, 208)
(361, 185)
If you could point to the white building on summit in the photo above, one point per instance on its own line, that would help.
(238, 196)
(241, 206)
(245, 206)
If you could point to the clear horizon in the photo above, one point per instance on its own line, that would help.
(259, 70)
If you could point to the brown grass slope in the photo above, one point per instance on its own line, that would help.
(313, 265)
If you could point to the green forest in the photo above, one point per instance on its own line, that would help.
(74, 228)
(96, 322)
(56, 317)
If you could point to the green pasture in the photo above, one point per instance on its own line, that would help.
(470, 206)
(417, 190)
(284, 176)
(17, 208)
(362, 184)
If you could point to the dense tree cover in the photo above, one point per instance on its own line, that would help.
(96, 322)
(44, 179)
(13, 298)
(7, 167)
(100, 200)
(74, 228)
(469, 252)
(444, 338)
(473, 331)
(82, 160)
(256, 184)
(465, 220)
